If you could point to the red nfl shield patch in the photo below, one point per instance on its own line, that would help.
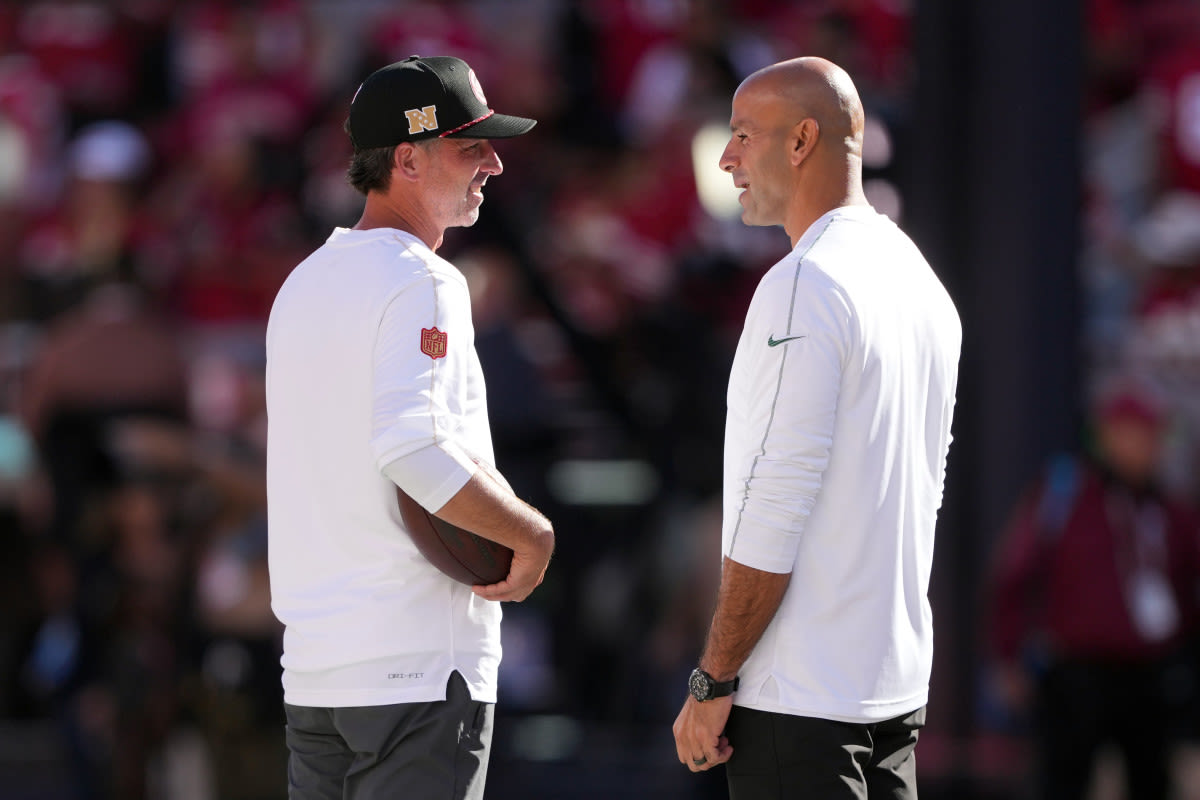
(433, 342)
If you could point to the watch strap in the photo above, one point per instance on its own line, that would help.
(725, 688)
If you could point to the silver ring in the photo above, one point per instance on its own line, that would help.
(699, 762)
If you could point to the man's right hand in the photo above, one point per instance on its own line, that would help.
(487, 506)
(526, 573)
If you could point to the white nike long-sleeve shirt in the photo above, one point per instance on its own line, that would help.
(839, 408)
(372, 382)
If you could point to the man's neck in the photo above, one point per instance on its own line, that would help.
(381, 211)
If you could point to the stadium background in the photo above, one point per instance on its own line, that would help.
(164, 163)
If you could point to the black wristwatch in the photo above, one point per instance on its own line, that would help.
(703, 687)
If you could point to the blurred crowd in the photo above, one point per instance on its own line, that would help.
(1092, 641)
(1141, 239)
(165, 163)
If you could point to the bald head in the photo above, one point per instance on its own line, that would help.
(796, 143)
(819, 89)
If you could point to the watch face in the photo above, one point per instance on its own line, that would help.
(700, 685)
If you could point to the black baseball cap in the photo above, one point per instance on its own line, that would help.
(422, 98)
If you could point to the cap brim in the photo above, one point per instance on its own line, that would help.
(496, 126)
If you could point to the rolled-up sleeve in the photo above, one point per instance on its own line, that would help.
(782, 410)
(419, 390)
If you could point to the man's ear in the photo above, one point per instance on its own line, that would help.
(803, 140)
(406, 160)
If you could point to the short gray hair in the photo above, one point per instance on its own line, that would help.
(371, 169)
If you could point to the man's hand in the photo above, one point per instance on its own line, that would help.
(746, 603)
(699, 728)
(487, 507)
(524, 575)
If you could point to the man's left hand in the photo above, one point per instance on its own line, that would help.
(699, 728)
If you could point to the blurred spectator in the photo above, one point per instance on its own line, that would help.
(1172, 77)
(622, 32)
(95, 234)
(1163, 339)
(112, 358)
(249, 67)
(1091, 603)
(326, 199)
(33, 117)
(246, 79)
(88, 49)
(689, 77)
(102, 655)
(233, 235)
(869, 37)
(1141, 251)
(426, 28)
(230, 638)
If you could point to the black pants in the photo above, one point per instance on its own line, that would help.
(1084, 705)
(780, 756)
(424, 751)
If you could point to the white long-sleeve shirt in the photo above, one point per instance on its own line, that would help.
(839, 409)
(372, 381)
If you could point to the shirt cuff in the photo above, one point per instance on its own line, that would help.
(764, 547)
(432, 475)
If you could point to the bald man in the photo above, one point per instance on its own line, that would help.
(815, 673)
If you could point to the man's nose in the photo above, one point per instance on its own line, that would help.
(727, 160)
(492, 164)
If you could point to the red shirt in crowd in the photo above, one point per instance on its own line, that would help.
(1075, 586)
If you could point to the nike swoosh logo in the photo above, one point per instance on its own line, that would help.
(773, 342)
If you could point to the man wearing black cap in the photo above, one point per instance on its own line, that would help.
(389, 666)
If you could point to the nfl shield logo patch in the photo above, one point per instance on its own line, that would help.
(433, 342)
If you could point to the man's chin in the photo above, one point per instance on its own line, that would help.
(753, 219)
(467, 219)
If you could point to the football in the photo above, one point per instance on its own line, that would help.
(460, 554)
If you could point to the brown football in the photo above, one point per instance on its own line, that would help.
(460, 554)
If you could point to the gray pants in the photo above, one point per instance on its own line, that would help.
(425, 751)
